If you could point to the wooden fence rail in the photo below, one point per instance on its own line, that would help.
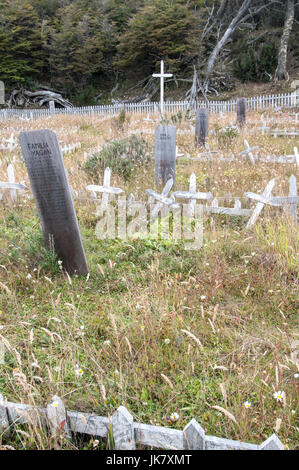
(126, 433)
(255, 103)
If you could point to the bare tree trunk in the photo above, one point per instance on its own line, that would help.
(229, 31)
(244, 13)
(281, 70)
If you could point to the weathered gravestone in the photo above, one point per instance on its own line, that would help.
(2, 92)
(52, 194)
(52, 107)
(241, 111)
(165, 153)
(202, 126)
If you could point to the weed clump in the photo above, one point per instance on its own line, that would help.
(123, 156)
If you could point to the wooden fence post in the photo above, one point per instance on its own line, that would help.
(123, 430)
(4, 422)
(260, 205)
(292, 208)
(272, 443)
(202, 126)
(194, 436)
(57, 417)
(241, 111)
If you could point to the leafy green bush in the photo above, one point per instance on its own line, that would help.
(123, 156)
(177, 118)
(226, 135)
(253, 65)
(118, 123)
(245, 66)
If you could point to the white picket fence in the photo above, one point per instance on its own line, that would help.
(126, 433)
(286, 100)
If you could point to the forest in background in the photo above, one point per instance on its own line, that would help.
(92, 51)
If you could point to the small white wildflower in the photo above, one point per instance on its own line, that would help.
(247, 404)
(107, 342)
(95, 443)
(78, 372)
(166, 340)
(279, 396)
(296, 376)
(28, 276)
(34, 364)
(203, 297)
(174, 417)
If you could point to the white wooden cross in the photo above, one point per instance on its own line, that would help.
(148, 119)
(289, 202)
(2, 353)
(249, 151)
(233, 211)
(162, 199)
(260, 205)
(11, 184)
(162, 75)
(192, 195)
(293, 194)
(296, 155)
(11, 179)
(177, 153)
(264, 128)
(106, 189)
(12, 143)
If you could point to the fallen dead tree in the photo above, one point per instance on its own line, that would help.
(26, 98)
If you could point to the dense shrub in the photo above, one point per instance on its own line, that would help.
(253, 65)
(123, 156)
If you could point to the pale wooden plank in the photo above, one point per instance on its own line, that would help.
(4, 422)
(159, 437)
(272, 443)
(218, 443)
(85, 423)
(102, 189)
(293, 195)
(123, 430)
(4, 185)
(24, 414)
(260, 205)
(57, 418)
(194, 436)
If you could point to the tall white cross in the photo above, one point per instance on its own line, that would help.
(162, 75)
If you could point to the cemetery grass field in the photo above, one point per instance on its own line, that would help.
(154, 327)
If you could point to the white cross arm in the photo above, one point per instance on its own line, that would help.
(244, 152)
(191, 195)
(104, 189)
(273, 201)
(169, 201)
(164, 75)
(4, 185)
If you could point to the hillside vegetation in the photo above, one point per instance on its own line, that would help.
(92, 51)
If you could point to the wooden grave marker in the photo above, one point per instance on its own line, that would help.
(165, 153)
(53, 198)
